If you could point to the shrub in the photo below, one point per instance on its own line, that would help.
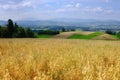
(110, 32)
(48, 32)
(118, 35)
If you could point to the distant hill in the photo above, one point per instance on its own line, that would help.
(84, 24)
(3, 22)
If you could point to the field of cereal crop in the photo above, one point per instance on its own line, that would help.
(59, 59)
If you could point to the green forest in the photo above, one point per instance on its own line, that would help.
(12, 30)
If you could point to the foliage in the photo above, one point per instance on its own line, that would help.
(29, 33)
(110, 32)
(4, 32)
(0, 30)
(73, 30)
(118, 35)
(20, 33)
(47, 32)
(14, 31)
(63, 29)
(10, 28)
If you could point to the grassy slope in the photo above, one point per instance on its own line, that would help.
(90, 36)
(43, 36)
(79, 35)
(115, 36)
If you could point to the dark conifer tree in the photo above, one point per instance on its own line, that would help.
(29, 33)
(10, 27)
(0, 30)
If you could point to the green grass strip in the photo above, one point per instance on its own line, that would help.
(90, 36)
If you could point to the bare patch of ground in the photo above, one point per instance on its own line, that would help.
(105, 37)
(65, 35)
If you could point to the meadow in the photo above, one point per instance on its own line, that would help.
(44, 36)
(89, 36)
(59, 59)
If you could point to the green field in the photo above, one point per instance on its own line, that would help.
(115, 36)
(90, 36)
(44, 36)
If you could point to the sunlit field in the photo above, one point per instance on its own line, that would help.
(59, 59)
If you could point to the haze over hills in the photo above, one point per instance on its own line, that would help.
(56, 24)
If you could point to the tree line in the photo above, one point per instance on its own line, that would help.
(14, 31)
(48, 32)
(113, 33)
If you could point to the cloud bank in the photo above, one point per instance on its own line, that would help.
(49, 9)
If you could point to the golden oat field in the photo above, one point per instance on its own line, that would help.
(59, 59)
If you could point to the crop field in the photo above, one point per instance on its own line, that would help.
(59, 59)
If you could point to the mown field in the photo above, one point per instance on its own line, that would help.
(59, 59)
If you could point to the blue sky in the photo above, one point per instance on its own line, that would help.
(53, 9)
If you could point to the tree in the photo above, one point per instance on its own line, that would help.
(72, 29)
(15, 28)
(0, 30)
(29, 33)
(63, 29)
(110, 32)
(10, 27)
(20, 33)
(118, 35)
(47, 32)
(4, 32)
(14, 31)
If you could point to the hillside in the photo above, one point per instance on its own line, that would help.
(65, 35)
(59, 59)
(85, 35)
(105, 37)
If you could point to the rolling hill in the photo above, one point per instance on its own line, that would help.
(85, 35)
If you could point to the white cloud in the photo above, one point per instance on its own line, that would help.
(94, 9)
(107, 0)
(11, 2)
(72, 5)
(13, 5)
(60, 10)
(19, 9)
(77, 5)
(69, 5)
(108, 11)
(26, 4)
(98, 10)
